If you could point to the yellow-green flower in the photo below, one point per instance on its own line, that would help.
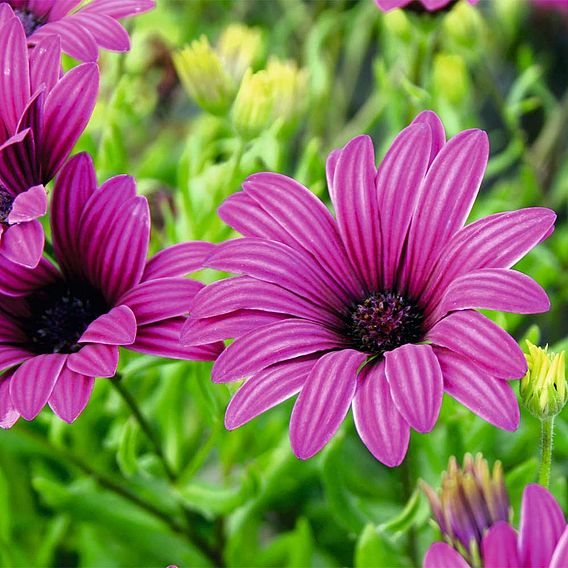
(239, 48)
(289, 85)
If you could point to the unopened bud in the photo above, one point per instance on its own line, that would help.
(253, 106)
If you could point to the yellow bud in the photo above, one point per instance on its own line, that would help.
(450, 78)
(463, 23)
(239, 48)
(398, 24)
(543, 388)
(253, 106)
(289, 86)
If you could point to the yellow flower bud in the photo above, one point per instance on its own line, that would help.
(543, 388)
(450, 78)
(289, 86)
(203, 77)
(239, 48)
(252, 110)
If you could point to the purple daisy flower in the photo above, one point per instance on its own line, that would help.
(542, 541)
(428, 5)
(61, 327)
(374, 308)
(83, 31)
(42, 114)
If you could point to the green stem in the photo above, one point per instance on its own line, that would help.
(408, 486)
(547, 434)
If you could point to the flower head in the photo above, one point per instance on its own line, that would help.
(375, 307)
(254, 104)
(471, 500)
(542, 541)
(543, 388)
(62, 326)
(42, 114)
(428, 5)
(289, 85)
(82, 32)
(239, 48)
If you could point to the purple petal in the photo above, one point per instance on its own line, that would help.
(33, 382)
(499, 547)
(73, 187)
(330, 167)
(324, 401)
(307, 221)
(267, 389)
(474, 336)
(398, 179)
(493, 289)
(19, 166)
(442, 555)
(108, 33)
(162, 339)
(490, 398)
(23, 243)
(446, 197)
(356, 208)
(161, 299)
(29, 205)
(94, 360)
(497, 241)
(117, 327)
(244, 292)
(119, 8)
(45, 63)
(542, 525)
(431, 119)
(271, 344)
(226, 326)
(16, 280)
(76, 41)
(70, 395)
(6, 14)
(178, 260)
(11, 331)
(560, 557)
(416, 384)
(10, 356)
(277, 263)
(68, 108)
(379, 423)
(61, 8)
(8, 414)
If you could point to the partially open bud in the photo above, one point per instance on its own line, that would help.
(470, 501)
(201, 73)
(239, 48)
(252, 111)
(543, 388)
(289, 85)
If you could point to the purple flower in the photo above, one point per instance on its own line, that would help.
(542, 541)
(83, 31)
(375, 307)
(429, 5)
(42, 114)
(60, 327)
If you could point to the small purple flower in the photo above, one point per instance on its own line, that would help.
(83, 31)
(61, 327)
(428, 5)
(42, 114)
(542, 541)
(374, 308)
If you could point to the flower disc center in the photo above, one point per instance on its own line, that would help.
(6, 202)
(384, 321)
(59, 315)
(29, 20)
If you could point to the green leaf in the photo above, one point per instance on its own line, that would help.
(414, 512)
(375, 549)
(126, 456)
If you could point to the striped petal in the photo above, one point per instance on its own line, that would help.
(94, 360)
(178, 260)
(71, 395)
(499, 547)
(117, 327)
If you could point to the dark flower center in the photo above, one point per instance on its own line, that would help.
(30, 21)
(6, 202)
(59, 315)
(384, 321)
(419, 8)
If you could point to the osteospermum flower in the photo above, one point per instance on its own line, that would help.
(542, 541)
(428, 5)
(61, 327)
(42, 114)
(374, 308)
(82, 32)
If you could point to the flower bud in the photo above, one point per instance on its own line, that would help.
(470, 501)
(450, 78)
(543, 388)
(239, 48)
(289, 85)
(203, 77)
(252, 110)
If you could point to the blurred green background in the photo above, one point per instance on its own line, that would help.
(95, 493)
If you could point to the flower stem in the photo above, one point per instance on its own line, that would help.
(547, 433)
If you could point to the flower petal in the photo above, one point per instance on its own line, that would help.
(108, 33)
(45, 63)
(490, 398)
(442, 555)
(267, 389)
(542, 525)
(76, 41)
(271, 344)
(499, 547)
(560, 557)
(33, 382)
(416, 384)
(10, 356)
(70, 395)
(17, 280)
(8, 414)
(119, 8)
(377, 419)
(29, 205)
(431, 120)
(330, 167)
(474, 336)
(324, 401)
(23, 243)
(178, 260)
(117, 327)
(94, 360)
